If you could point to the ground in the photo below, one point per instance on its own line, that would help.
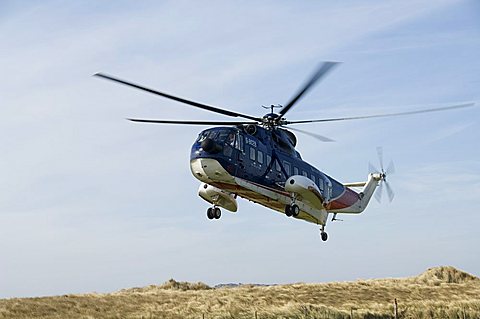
(440, 292)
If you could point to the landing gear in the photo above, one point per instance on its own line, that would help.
(214, 213)
(210, 213)
(292, 210)
(217, 213)
(323, 234)
(288, 211)
(295, 210)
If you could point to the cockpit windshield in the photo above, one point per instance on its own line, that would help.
(218, 135)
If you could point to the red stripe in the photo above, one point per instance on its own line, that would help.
(346, 200)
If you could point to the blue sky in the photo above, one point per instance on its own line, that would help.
(91, 202)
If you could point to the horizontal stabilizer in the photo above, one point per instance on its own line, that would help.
(358, 184)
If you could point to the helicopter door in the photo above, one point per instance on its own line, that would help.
(240, 155)
(328, 193)
(325, 186)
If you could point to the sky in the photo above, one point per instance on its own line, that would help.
(90, 202)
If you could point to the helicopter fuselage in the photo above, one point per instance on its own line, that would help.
(259, 164)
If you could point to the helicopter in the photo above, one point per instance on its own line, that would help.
(255, 158)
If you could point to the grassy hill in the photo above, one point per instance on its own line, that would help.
(441, 292)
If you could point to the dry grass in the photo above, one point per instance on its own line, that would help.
(441, 292)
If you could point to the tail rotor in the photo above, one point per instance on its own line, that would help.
(381, 175)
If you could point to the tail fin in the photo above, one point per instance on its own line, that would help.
(368, 191)
(375, 178)
(364, 195)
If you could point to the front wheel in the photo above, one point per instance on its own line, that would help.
(288, 210)
(295, 210)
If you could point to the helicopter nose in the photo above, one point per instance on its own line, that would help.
(210, 146)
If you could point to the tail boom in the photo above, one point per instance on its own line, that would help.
(362, 198)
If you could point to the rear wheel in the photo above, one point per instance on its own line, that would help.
(217, 213)
(210, 213)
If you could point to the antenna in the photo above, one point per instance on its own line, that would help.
(271, 107)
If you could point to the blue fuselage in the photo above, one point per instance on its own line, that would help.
(260, 156)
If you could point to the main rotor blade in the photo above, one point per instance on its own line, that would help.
(179, 99)
(189, 122)
(437, 109)
(317, 136)
(323, 70)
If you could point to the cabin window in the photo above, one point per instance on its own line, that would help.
(295, 170)
(320, 184)
(329, 188)
(277, 166)
(314, 179)
(252, 153)
(260, 156)
(269, 159)
(286, 165)
(304, 173)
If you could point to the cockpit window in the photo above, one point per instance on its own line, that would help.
(231, 139)
(222, 136)
(202, 136)
(226, 136)
(239, 142)
(206, 134)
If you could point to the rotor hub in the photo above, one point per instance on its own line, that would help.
(270, 120)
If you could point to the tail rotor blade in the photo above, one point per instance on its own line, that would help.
(372, 169)
(382, 179)
(390, 168)
(380, 156)
(390, 192)
(378, 193)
